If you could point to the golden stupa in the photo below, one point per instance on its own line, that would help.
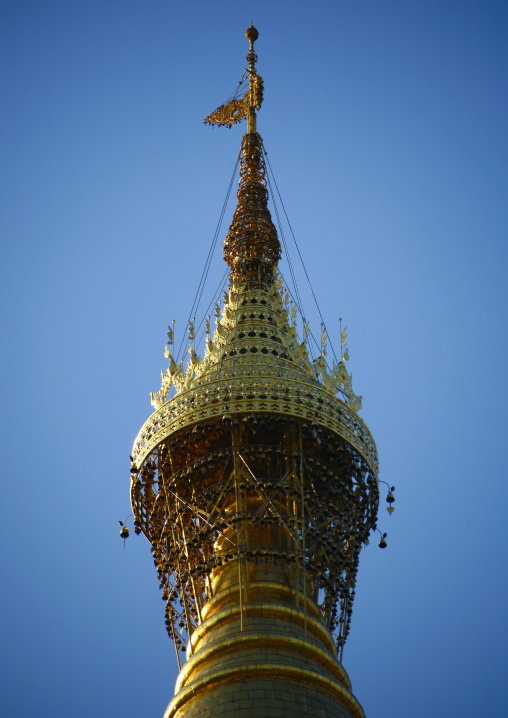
(256, 484)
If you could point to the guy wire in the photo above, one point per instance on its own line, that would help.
(298, 250)
(204, 274)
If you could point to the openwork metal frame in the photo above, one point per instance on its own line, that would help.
(255, 487)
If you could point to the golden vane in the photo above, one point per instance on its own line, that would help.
(237, 109)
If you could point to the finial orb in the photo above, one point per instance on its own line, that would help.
(251, 33)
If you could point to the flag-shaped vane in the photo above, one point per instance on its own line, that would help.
(238, 106)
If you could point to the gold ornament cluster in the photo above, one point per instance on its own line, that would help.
(237, 110)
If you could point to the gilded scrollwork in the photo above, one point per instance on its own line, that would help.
(256, 391)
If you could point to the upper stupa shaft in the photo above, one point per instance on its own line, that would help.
(252, 242)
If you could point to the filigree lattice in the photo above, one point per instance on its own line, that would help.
(255, 488)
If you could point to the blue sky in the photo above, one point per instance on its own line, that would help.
(385, 125)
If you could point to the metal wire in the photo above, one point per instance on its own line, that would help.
(206, 268)
(298, 250)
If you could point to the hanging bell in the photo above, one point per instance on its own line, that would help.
(382, 542)
(227, 416)
(390, 498)
(124, 532)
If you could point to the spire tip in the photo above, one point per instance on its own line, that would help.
(251, 33)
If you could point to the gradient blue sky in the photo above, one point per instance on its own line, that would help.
(385, 124)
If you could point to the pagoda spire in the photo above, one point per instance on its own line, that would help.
(256, 484)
